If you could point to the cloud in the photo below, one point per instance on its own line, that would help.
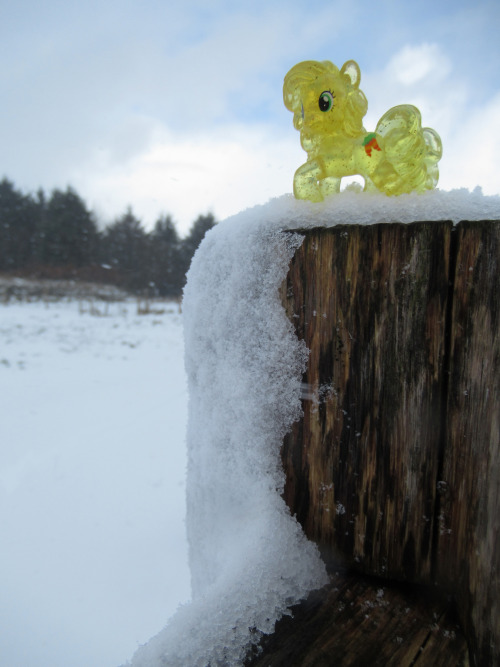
(74, 82)
(236, 71)
(472, 148)
(419, 74)
(223, 172)
(419, 65)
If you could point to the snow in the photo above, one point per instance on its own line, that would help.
(248, 557)
(92, 480)
(354, 207)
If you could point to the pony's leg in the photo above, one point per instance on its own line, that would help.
(306, 181)
(329, 185)
(369, 185)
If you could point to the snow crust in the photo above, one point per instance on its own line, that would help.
(249, 559)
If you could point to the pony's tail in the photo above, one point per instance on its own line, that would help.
(411, 152)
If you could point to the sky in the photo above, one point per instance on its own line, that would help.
(176, 107)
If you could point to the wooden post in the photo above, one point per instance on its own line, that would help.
(371, 303)
(394, 468)
(468, 544)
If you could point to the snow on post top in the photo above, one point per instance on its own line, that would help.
(367, 208)
(249, 559)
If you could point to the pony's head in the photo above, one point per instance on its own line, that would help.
(325, 101)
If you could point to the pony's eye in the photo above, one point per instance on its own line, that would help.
(325, 101)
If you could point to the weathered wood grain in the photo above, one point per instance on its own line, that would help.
(394, 469)
(361, 622)
(362, 465)
(468, 549)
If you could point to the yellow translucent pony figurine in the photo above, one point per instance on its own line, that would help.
(328, 109)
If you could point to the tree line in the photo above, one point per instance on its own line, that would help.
(58, 236)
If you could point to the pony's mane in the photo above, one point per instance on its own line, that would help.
(303, 74)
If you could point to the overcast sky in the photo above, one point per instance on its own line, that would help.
(175, 106)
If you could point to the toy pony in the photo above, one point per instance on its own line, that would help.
(328, 109)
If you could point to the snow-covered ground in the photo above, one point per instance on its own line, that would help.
(93, 556)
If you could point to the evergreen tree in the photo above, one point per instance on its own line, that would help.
(62, 232)
(124, 246)
(68, 232)
(165, 258)
(18, 221)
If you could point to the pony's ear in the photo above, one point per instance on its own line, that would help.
(351, 69)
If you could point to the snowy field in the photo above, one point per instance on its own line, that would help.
(93, 556)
